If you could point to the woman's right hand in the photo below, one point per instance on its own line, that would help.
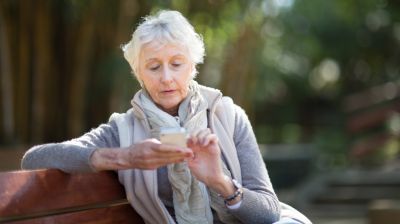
(148, 154)
(151, 154)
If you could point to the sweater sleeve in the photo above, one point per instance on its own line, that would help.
(72, 156)
(260, 203)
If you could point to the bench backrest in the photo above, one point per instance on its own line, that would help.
(51, 196)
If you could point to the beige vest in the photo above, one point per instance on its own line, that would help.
(141, 185)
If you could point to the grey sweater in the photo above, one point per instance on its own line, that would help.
(259, 204)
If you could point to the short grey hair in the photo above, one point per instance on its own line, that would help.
(164, 27)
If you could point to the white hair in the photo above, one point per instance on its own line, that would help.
(164, 27)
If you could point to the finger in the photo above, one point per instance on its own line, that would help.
(169, 148)
(167, 155)
(197, 136)
(202, 135)
(159, 162)
(150, 150)
(210, 139)
(152, 140)
(192, 140)
(189, 142)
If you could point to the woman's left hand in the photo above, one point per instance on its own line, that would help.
(206, 164)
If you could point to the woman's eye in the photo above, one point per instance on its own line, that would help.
(176, 64)
(154, 68)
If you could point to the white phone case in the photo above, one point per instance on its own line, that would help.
(173, 136)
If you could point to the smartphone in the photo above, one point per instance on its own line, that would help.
(173, 136)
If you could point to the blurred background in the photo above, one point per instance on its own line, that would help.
(320, 81)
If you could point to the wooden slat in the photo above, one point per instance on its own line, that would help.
(49, 213)
(372, 96)
(114, 215)
(368, 145)
(357, 194)
(371, 118)
(26, 192)
(367, 178)
(384, 211)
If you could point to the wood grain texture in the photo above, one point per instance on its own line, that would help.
(115, 215)
(34, 192)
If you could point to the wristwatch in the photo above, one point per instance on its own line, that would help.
(238, 192)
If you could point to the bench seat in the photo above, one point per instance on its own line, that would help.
(52, 196)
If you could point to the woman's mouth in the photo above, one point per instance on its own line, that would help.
(170, 91)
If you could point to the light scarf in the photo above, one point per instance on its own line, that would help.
(190, 196)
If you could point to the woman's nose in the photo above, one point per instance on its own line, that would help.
(166, 75)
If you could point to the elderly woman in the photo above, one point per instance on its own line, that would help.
(216, 176)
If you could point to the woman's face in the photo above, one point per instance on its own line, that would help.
(165, 71)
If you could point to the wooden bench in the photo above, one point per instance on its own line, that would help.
(52, 196)
(384, 211)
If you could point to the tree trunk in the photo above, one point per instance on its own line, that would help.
(24, 50)
(42, 71)
(84, 53)
(238, 71)
(6, 80)
(128, 11)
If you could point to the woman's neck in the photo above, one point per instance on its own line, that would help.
(171, 111)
